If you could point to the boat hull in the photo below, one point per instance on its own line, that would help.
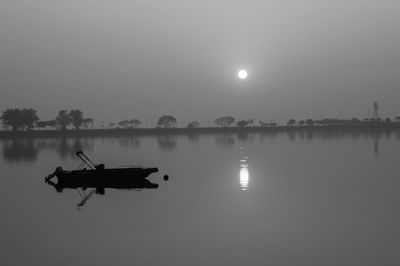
(104, 183)
(113, 178)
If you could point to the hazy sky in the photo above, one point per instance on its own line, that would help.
(125, 59)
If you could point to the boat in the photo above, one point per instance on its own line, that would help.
(99, 178)
(94, 174)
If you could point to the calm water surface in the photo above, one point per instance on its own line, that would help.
(259, 199)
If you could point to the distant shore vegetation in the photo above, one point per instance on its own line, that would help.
(27, 119)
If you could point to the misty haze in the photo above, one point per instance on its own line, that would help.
(199, 132)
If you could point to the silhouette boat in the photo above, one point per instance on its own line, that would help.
(96, 175)
(98, 178)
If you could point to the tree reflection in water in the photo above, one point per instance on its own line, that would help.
(371, 135)
(246, 137)
(27, 150)
(17, 150)
(167, 142)
(193, 137)
(225, 139)
(133, 141)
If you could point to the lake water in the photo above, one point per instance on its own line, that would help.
(299, 198)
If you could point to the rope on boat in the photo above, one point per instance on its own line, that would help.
(80, 194)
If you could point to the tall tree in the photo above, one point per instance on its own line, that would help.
(29, 118)
(301, 123)
(166, 121)
(13, 118)
(76, 117)
(135, 122)
(291, 122)
(20, 118)
(63, 119)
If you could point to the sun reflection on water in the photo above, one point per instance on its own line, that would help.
(244, 174)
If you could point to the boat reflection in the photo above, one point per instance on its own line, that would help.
(244, 174)
(100, 187)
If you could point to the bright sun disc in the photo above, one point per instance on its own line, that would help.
(242, 74)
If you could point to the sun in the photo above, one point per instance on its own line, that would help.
(242, 74)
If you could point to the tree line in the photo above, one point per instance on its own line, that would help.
(27, 119)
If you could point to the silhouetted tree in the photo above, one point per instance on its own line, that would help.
(309, 122)
(387, 120)
(135, 123)
(12, 118)
(43, 124)
(76, 118)
(224, 121)
(301, 123)
(193, 124)
(166, 121)
(29, 118)
(129, 123)
(124, 123)
(397, 118)
(245, 123)
(270, 124)
(63, 119)
(291, 122)
(20, 118)
(241, 123)
(86, 122)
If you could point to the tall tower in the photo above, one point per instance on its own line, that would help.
(376, 115)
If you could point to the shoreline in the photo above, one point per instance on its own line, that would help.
(190, 131)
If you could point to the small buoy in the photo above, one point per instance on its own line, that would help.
(166, 177)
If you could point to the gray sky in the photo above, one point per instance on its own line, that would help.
(124, 59)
